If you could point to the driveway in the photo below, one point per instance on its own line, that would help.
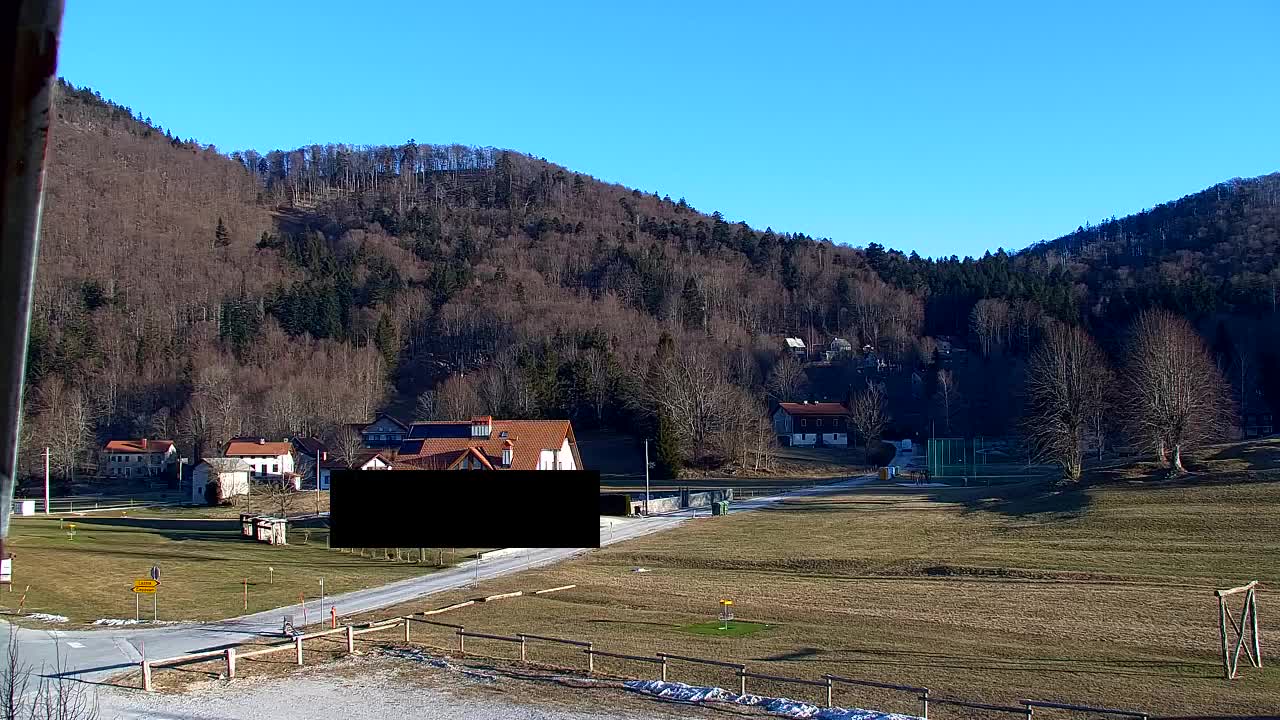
(96, 654)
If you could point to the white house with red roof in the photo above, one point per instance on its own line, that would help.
(137, 458)
(484, 443)
(812, 423)
(266, 459)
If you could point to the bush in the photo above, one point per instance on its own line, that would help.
(881, 454)
(615, 504)
(212, 496)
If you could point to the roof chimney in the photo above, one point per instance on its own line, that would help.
(144, 443)
(262, 441)
(508, 449)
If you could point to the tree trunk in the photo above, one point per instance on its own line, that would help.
(1177, 458)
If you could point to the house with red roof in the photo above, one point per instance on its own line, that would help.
(812, 424)
(484, 443)
(137, 458)
(266, 459)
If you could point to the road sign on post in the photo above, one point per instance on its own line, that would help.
(155, 573)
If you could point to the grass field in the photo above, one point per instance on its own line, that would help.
(717, 628)
(1101, 595)
(203, 565)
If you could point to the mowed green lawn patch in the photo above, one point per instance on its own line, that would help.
(203, 565)
(718, 628)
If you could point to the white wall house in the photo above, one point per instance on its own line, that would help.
(267, 459)
(812, 424)
(365, 461)
(137, 458)
(557, 458)
(232, 475)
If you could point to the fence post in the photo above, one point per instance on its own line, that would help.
(146, 675)
(924, 704)
(407, 623)
(1028, 711)
(591, 659)
(742, 680)
(462, 641)
(664, 668)
(297, 646)
(1253, 622)
(231, 663)
(351, 640)
(522, 654)
(828, 692)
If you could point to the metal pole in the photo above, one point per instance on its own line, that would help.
(137, 607)
(646, 478)
(29, 31)
(155, 606)
(1253, 623)
(317, 481)
(46, 481)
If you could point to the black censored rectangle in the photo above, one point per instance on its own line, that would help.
(464, 508)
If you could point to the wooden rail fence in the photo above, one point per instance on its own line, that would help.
(231, 654)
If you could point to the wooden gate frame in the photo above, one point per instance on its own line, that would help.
(1248, 625)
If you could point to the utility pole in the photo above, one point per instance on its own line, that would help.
(46, 480)
(646, 477)
(319, 456)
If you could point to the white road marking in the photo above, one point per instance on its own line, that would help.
(75, 645)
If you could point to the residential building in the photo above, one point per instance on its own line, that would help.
(487, 444)
(137, 458)
(230, 473)
(797, 348)
(808, 424)
(384, 432)
(267, 459)
(368, 460)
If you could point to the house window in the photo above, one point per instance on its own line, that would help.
(804, 422)
(819, 421)
(275, 468)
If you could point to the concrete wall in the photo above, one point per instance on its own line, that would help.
(672, 503)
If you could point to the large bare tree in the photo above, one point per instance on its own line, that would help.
(1173, 393)
(869, 413)
(947, 399)
(1068, 380)
(990, 322)
(691, 391)
(786, 380)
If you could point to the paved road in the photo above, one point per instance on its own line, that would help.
(95, 654)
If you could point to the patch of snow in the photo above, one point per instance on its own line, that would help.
(46, 617)
(923, 484)
(114, 622)
(640, 570)
(778, 706)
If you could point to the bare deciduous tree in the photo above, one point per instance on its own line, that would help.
(57, 694)
(347, 445)
(786, 380)
(869, 413)
(693, 394)
(279, 494)
(947, 399)
(66, 419)
(1067, 384)
(1174, 395)
(989, 321)
(425, 408)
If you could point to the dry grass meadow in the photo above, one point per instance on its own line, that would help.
(1100, 595)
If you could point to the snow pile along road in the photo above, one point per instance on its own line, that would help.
(778, 706)
(46, 617)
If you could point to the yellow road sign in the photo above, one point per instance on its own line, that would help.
(153, 584)
(144, 590)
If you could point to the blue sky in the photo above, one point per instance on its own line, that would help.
(941, 127)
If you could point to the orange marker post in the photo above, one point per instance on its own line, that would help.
(333, 616)
(246, 594)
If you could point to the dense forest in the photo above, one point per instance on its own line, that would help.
(189, 293)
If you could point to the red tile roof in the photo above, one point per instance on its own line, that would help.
(240, 448)
(135, 446)
(528, 438)
(822, 408)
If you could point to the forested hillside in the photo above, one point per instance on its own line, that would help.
(187, 293)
